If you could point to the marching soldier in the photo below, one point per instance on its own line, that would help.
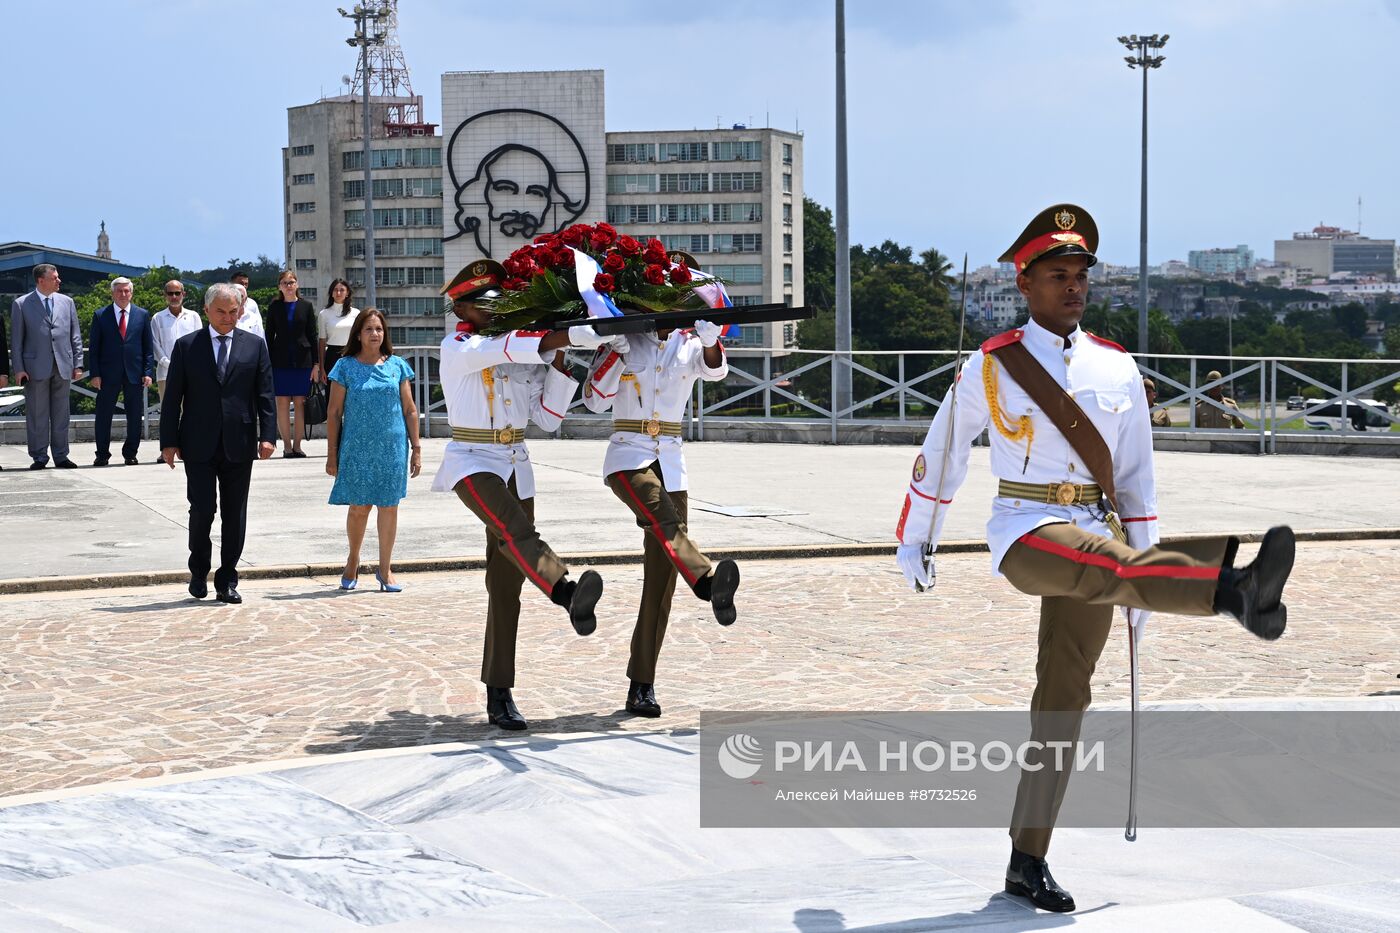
(646, 380)
(493, 387)
(1075, 518)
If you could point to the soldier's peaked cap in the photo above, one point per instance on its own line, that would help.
(1059, 230)
(476, 278)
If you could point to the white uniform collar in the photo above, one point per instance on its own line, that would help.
(1040, 338)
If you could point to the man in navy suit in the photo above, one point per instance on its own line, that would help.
(217, 415)
(123, 363)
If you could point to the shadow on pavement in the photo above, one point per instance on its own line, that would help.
(403, 729)
(995, 913)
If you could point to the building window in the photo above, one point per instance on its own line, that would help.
(787, 213)
(424, 217)
(683, 152)
(309, 293)
(787, 153)
(415, 307)
(631, 213)
(388, 217)
(787, 273)
(354, 220)
(687, 181)
(631, 184)
(632, 152)
(737, 151)
(303, 207)
(750, 335)
(738, 243)
(787, 243)
(750, 274)
(422, 187)
(787, 182)
(686, 242)
(416, 336)
(306, 263)
(352, 160)
(684, 213)
(303, 235)
(388, 187)
(422, 158)
(744, 213)
(353, 189)
(738, 181)
(303, 150)
(308, 179)
(740, 300)
(423, 246)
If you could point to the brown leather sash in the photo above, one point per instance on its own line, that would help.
(1064, 412)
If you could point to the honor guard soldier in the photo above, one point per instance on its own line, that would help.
(1075, 517)
(493, 387)
(646, 379)
(1220, 412)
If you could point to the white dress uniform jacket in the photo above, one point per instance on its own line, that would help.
(525, 388)
(652, 381)
(166, 328)
(1104, 381)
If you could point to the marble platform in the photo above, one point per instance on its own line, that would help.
(598, 831)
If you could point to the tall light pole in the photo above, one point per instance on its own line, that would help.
(1140, 45)
(369, 20)
(841, 382)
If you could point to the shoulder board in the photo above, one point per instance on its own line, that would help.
(462, 336)
(1103, 342)
(1002, 340)
(533, 333)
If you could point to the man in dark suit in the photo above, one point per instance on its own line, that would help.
(123, 363)
(220, 381)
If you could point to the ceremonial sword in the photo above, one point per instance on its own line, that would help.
(947, 441)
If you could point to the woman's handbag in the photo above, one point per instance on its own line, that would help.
(315, 412)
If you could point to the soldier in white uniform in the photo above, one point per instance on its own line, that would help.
(1052, 533)
(646, 380)
(493, 387)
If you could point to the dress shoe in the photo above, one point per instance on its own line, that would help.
(66, 464)
(130, 461)
(349, 583)
(1029, 877)
(98, 461)
(297, 455)
(501, 711)
(36, 465)
(641, 700)
(1253, 594)
(198, 588)
(583, 601)
(229, 596)
(724, 580)
(385, 586)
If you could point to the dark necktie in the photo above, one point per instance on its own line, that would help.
(222, 364)
(48, 311)
(121, 325)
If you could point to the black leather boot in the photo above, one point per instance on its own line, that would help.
(719, 589)
(1029, 877)
(501, 711)
(1253, 594)
(641, 700)
(580, 599)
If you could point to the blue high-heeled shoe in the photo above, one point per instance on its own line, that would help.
(349, 583)
(387, 587)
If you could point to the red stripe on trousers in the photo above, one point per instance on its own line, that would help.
(530, 572)
(660, 536)
(1107, 563)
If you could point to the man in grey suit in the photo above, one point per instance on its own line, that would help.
(47, 357)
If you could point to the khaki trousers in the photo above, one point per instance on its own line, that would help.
(1080, 577)
(667, 549)
(514, 551)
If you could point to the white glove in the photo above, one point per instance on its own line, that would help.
(620, 344)
(911, 561)
(708, 333)
(585, 337)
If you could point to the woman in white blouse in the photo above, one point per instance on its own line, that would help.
(334, 323)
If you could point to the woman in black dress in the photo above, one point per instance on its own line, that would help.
(290, 323)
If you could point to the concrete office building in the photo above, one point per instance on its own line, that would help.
(1221, 261)
(524, 153)
(1326, 251)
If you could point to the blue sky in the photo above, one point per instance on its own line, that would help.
(166, 117)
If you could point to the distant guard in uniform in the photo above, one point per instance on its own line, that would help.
(646, 380)
(1161, 418)
(493, 387)
(1208, 415)
(1054, 532)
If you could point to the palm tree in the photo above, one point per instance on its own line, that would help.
(939, 269)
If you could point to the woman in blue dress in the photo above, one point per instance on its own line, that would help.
(372, 427)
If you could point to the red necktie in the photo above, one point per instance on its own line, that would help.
(121, 327)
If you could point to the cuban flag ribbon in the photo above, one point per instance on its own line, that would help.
(714, 295)
(585, 270)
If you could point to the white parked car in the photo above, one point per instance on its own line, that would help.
(1365, 414)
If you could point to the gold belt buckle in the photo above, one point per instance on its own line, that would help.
(505, 435)
(652, 427)
(1065, 494)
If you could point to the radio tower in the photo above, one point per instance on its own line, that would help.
(388, 75)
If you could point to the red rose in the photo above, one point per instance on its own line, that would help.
(603, 236)
(628, 246)
(603, 283)
(514, 285)
(574, 236)
(655, 275)
(563, 258)
(655, 252)
(613, 262)
(680, 274)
